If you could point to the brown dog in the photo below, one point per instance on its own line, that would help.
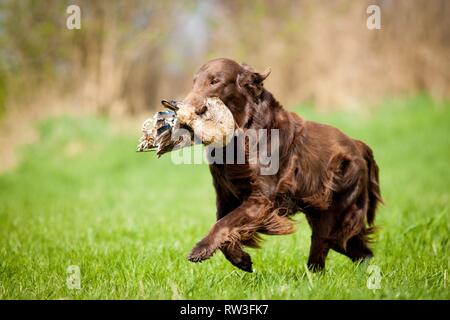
(323, 173)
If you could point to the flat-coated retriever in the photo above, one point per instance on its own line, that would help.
(323, 173)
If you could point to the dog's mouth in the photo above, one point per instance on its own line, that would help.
(171, 105)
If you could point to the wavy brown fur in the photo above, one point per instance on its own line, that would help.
(323, 173)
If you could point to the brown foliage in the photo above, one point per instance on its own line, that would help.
(129, 54)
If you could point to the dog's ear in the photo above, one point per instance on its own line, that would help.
(250, 81)
(265, 74)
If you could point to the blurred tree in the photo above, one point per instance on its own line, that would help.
(130, 54)
(113, 61)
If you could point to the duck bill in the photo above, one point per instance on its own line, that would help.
(171, 105)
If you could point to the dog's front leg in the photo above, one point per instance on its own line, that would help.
(226, 202)
(238, 257)
(237, 226)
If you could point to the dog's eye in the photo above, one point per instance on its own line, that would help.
(214, 81)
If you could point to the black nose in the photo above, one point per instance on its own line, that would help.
(172, 104)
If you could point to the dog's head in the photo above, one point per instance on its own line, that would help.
(238, 86)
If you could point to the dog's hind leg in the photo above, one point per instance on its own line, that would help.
(357, 248)
(352, 236)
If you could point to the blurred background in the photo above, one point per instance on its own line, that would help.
(73, 191)
(128, 55)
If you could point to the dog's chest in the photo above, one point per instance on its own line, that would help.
(234, 179)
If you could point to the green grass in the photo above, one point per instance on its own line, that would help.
(82, 196)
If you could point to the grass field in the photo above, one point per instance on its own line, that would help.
(82, 196)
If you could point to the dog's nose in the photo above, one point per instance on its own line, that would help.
(194, 99)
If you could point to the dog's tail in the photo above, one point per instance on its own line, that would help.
(373, 185)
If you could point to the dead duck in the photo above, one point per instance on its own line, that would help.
(214, 126)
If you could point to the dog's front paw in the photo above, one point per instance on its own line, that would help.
(238, 257)
(201, 251)
(244, 262)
